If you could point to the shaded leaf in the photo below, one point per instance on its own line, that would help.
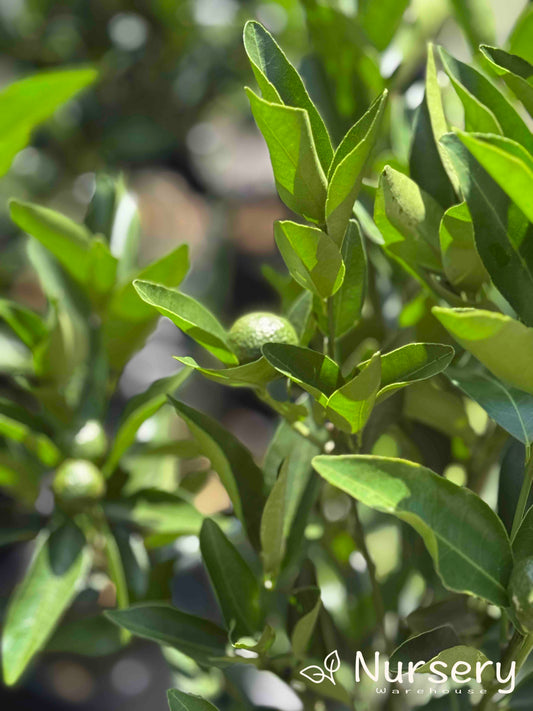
(349, 299)
(523, 541)
(461, 262)
(516, 72)
(256, 374)
(179, 701)
(465, 538)
(308, 604)
(350, 406)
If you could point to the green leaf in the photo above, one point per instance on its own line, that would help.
(197, 638)
(179, 701)
(508, 163)
(59, 564)
(510, 482)
(189, 316)
(461, 653)
(235, 585)
(410, 364)
(501, 231)
(465, 538)
(138, 410)
(511, 408)
(380, 20)
(275, 523)
(256, 374)
(240, 475)
(516, 72)
(311, 256)
(300, 314)
(308, 604)
(280, 83)
(346, 173)
(349, 299)
(476, 19)
(161, 515)
(408, 219)
(36, 442)
(522, 34)
(462, 264)
(27, 325)
(87, 259)
(521, 698)
(27, 103)
(93, 636)
(168, 271)
(299, 177)
(502, 344)
(426, 645)
(429, 163)
(523, 541)
(314, 372)
(486, 108)
(351, 405)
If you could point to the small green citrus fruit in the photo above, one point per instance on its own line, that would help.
(251, 332)
(89, 442)
(78, 481)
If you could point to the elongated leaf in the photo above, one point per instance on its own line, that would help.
(349, 299)
(424, 646)
(275, 523)
(300, 314)
(516, 72)
(465, 538)
(236, 587)
(510, 483)
(380, 19)
(179, 701)
(409, 364)
(408, 219)
(314, 372)
(429, 164)
(346, 173)
(93, 636)
(138, 410)
(168, 271)
(476, 18)
(27, 325)
(486, 108)
(511, 408)
(27, 103)
(59, 564)
(300, 180)
(520, 39)
(523, 542)
(311, 256)
(280, 83)
(35, 442)
(308, 604)
(189, 316)
(351, 405)
(197, 638)
(256, 374)
(502, 344)
(462, 264)
(462, 653)
(501, 231)
(508, 163)
(240, 475)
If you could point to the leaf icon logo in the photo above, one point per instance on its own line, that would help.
(317, 674)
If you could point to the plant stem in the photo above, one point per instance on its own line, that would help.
(331, 328)
(517, 651)
(376, 592)
(523, 498)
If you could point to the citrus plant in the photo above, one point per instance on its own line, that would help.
(400, 371)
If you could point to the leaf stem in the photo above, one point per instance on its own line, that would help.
(523, 498)
(331, 327)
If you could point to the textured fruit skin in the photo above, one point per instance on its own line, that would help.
(249, 333)
(521, 592)
(89, 442)
(78, 481)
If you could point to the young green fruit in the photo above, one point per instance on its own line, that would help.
(89, 442)
(251, 332)
(77, 482)
(521, 592)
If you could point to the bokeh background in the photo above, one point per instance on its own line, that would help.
(169, 113)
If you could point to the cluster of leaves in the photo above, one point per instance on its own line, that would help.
(358, 388)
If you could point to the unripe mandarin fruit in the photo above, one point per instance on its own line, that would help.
(521, 592)
(89, 442)
(251, 332)
(78, 481)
